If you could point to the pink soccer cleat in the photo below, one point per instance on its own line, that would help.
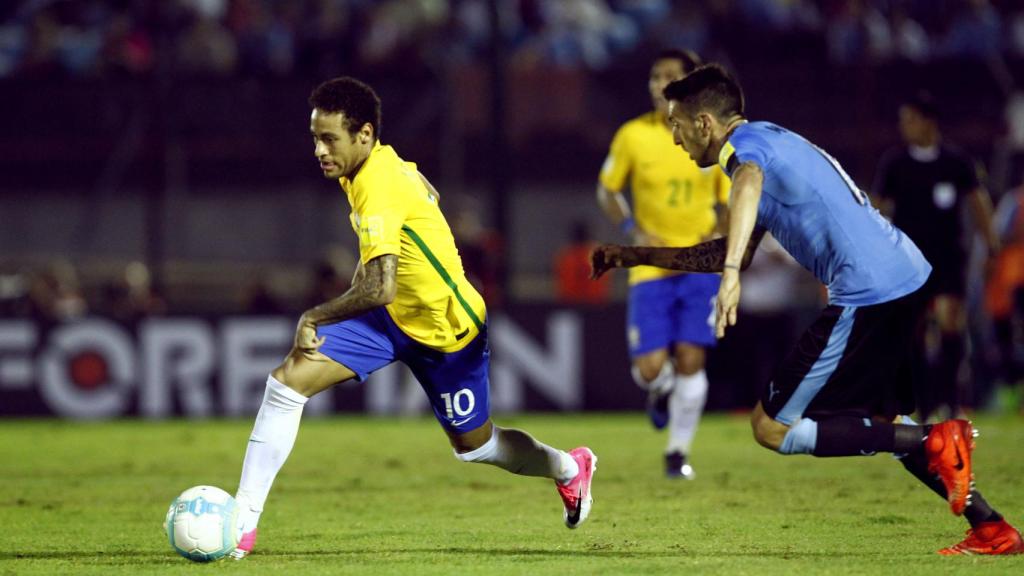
(245, 545)
(576, 495)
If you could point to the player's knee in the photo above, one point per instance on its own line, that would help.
(762, 435)
(660, 380)
(768, 432)
(648, 367)
(289, 374)
(309, 377)
(689, 361)
(689, 368)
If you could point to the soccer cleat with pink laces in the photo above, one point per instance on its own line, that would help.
(988, 538)
(948, 448)
(576, 494)
(245, 545)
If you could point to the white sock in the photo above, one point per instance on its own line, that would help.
(684, 408)
(271, 441)
(519, 453)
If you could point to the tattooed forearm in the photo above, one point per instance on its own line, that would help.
(373, 287)
(704, 257)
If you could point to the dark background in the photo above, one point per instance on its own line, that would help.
(166, 143)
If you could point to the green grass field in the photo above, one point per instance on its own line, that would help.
(382, 496)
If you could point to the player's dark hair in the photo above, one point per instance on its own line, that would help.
(923, 102)
(708, 88)
(688, 58)
(348, 96)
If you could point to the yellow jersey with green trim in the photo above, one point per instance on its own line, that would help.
(673, 198)
(393, 213)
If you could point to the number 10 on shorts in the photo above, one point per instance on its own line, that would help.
(461, 404)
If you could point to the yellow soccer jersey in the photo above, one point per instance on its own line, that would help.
(673, 198)
(392, 213)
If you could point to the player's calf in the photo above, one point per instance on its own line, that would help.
(519, 453)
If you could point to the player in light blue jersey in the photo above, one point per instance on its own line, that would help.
(822, 219)
(847, 382)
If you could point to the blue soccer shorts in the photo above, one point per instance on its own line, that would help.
(457, 383)
(678, 309)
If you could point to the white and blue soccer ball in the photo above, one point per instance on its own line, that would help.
(202, 523)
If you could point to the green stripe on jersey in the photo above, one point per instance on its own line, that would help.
(443, 273)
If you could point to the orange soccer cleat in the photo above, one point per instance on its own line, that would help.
(576, 494)
(948, 448)
(988, 538)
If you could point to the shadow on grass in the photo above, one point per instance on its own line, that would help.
(125, 557)
(572, 553)
(153, 557)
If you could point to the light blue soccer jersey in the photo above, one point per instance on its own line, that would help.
(817, 213)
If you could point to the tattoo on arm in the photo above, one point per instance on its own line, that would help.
(373, 287)
(703, 257)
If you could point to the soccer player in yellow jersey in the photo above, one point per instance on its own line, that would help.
(409, 302)
(675, 203)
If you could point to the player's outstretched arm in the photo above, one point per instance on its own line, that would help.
(704, 257)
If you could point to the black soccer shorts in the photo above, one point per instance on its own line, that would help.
(855, 361)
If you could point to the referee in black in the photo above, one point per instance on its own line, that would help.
(924, 187)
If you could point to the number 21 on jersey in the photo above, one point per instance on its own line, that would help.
(679, 188)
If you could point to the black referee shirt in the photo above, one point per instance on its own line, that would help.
(927, 197)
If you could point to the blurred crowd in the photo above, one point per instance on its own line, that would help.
(316, 38)
(53, 293)
(284, 37)
(55, 290)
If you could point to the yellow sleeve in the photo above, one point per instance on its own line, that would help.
(618, 164)
(380, 218)
(722, 186)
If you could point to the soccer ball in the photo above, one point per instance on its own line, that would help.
(202, 523)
